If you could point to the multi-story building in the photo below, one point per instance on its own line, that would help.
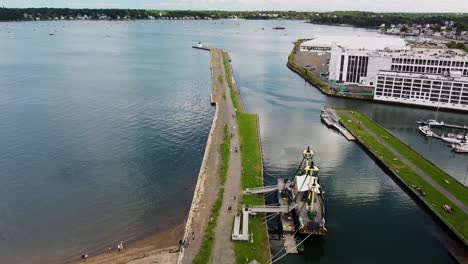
(433, 90)
(425, 76)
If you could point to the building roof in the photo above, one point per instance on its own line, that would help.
(368, 43)
(429, 53)
(427, 76)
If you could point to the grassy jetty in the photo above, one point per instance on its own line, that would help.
(431, 185)
(251, 175)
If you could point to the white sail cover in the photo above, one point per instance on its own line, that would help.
(302, 183)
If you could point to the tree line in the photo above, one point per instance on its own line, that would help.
(354, 18)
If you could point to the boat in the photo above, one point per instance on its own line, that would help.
(279, 28)
(426, 130)
(451, 139)
(435, 123)
(431, 122)
(301, 207)
(460, 148)
(305, 191)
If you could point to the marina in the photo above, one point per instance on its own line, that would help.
(458, 142)
(435, 123)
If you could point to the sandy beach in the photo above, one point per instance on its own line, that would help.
(158, 248)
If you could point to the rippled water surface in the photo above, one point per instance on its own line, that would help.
(102, 138)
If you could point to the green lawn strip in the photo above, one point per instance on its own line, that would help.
(225, 153)
(203, 256)
(227, 67)
(252, 177)
(454, 187)
(457, 221)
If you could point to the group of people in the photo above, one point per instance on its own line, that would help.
(120, 247)
(183, 243)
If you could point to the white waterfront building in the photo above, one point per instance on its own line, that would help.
(399, 73)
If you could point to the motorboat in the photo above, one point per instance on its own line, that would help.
(460, 148)
(434, 123)
(450, 139)
(426, 130)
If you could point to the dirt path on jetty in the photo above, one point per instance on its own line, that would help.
(223, 250)
(208, 184)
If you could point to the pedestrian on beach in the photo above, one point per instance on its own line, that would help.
(234, 197)
(193, 235)
(84, 256)
(119, 248)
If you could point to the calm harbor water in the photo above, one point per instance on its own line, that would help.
(102, 138)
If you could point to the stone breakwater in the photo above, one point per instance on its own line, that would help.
(208, 183)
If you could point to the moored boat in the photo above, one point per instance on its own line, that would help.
(460, 148)
(449, 139)
(426, 130)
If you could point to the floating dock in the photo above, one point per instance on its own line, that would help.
(331, 119)
(442, 124)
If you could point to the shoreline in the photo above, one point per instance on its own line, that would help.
(161, 245)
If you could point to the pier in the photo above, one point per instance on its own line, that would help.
(331, 119)
(443, 124)
(430, 185)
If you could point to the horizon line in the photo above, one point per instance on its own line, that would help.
(239, 10)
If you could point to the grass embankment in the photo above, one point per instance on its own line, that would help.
(306, 74)
(203, 256)
(251, 176)
(457, 221)
(234, 96)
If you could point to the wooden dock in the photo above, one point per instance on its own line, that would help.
(331, 119)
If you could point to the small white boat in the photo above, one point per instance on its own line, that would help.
(432, 122)
(451, 139)
(460, 148)
(426, 130)
(460, 137)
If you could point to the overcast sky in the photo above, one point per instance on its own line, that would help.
(302, 5)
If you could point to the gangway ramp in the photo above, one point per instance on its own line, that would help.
(263, 189)
(237, 234)
(270, 209)
(344, 132)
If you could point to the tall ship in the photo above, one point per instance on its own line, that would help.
(304, 193)
(301, 204)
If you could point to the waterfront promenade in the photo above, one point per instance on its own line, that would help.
(431, 185)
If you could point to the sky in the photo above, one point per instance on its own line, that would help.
(299, 5)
